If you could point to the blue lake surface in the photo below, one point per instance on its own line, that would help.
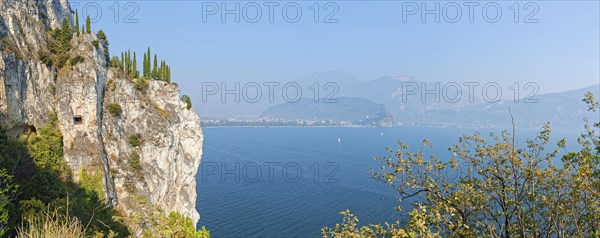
(291, 182)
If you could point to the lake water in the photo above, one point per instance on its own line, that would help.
(291, 182)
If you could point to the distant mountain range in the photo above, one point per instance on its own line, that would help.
(393, 98)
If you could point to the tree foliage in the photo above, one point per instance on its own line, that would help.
(88, 25)
(493, 188)
(176, 225)
(43, 183)
(146, 65)
(103, 40)
(157, 71)
(76, 21)
(8, 195)
(187, 100)
(45, 147)
(59, 45)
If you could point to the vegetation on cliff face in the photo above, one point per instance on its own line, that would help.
(114, 109)
(187, 100)
(59, 45)
(45, 147)
(492, 188)
(129, 65)
(177, 225)
(134, 140)
(35, 180)
(104, 41)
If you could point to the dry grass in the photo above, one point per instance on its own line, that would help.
(51, 224)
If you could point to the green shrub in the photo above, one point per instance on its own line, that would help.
(93, 182)
(77, 59)
(141, 84)
(134, 140)
(8, 192)
(45, 57)
(134, 160)
(46, 148)
(95, 44)
(114, 109)
(178, 225)
(187, 101)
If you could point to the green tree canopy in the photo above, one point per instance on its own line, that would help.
(104, 42)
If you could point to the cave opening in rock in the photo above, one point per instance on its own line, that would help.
(30, 129)
(77, 120)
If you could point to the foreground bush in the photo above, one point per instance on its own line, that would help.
(492, 188)
(178, 226)
(52, 225)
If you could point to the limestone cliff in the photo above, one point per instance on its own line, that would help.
(95, 140)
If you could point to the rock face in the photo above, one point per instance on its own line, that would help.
(170, 144)
(94, 139)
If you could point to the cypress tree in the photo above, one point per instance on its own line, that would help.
(144, 66)
(164, 71)
(114, 62)
(135, 72)
(155, 69)
(124, 53)
(168, 74)
(129, 68)
(160, 71)
(123, 61)
(88, 25)
(126, 63)
(148, 68)
(66, 32)
(158, 76)
(77, 21)
(125, 69)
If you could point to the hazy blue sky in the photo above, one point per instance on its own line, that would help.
(559, 52)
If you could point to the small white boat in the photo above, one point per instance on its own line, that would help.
(339, 140)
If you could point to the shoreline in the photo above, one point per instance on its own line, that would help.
(357, 126)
